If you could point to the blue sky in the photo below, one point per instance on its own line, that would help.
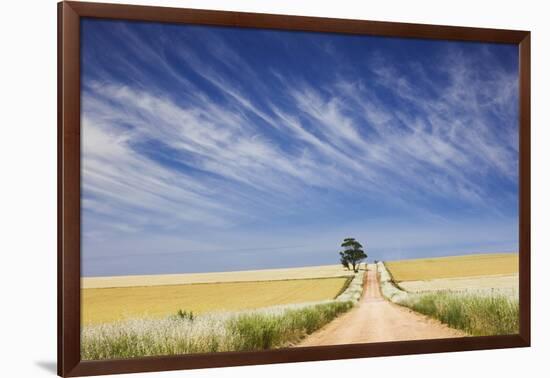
(212, 149)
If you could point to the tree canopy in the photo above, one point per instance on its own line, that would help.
(352, 255)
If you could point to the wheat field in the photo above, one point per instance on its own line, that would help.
(215, 277)
(103, 305)
(454, 266)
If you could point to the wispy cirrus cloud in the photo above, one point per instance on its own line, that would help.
(209, 135)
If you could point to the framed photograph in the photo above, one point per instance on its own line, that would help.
(239, 188)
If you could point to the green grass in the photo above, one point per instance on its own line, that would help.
(478, 315)
(258, 331)
(217, 332)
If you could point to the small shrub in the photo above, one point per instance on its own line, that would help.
(185, 315)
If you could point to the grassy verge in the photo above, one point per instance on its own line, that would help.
(345, 286)
(478, 315)
(477, 312)
(388, 287)
(216, 332)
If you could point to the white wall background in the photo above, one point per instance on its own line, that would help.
(28, 186)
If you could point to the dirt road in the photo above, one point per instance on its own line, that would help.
(376, 319)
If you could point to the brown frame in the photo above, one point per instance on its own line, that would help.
(69, 14)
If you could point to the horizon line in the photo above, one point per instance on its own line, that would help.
(297, 267)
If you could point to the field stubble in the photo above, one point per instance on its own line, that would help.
(321, 271)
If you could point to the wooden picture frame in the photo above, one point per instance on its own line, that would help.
(69, 175)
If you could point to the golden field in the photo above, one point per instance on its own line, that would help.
(234, 276)
(454, 266)
(101, 305)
